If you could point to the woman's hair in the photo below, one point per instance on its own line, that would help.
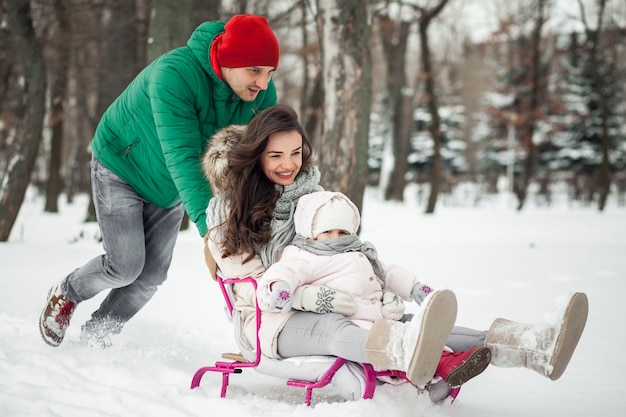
(253, 197)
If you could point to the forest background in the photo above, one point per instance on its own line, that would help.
(525, 97)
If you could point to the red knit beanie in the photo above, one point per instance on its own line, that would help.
(247, 41)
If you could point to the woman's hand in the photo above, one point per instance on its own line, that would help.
(322, 299)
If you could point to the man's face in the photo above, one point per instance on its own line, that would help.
(246, 82)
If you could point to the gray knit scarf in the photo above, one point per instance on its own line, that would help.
(343, 244)
(282, 225)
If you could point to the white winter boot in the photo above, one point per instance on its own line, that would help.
(546, 347)
(414, 347)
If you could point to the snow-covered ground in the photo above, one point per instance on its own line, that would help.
(499, 262)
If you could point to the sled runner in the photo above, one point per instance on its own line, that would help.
(307, 372)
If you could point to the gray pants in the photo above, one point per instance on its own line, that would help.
(308, 334)
(138, 240)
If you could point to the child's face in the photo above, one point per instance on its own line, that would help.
(331, 234)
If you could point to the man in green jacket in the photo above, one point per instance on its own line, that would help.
(146, 170)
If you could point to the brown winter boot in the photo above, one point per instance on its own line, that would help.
(55, 317)
(546, 347)
(414, 347)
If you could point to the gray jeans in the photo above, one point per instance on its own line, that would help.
(308, 334)
(138, 241)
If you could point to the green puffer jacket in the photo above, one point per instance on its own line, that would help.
(154, 134)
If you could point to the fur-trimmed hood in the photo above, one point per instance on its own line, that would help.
(215, 158)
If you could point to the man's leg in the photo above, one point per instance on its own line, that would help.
(119, 210)
(161, 230)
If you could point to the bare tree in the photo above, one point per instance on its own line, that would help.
(119, 63)
(344, 33)
(11, 95)
(600, 90)
(394, 37)
(204, 10)
(430, 97)
(16, 181)
(119, 58)
(170, 25)
(312, 95)
(58, 71)
(80, 116)
(530, 89)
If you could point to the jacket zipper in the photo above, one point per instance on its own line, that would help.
(127, 151)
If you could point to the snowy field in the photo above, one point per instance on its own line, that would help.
(499, 262)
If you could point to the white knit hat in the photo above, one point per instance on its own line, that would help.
(336, 214)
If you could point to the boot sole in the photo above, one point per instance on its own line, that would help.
(474, 365)
(574, 321)
(436, 324)
(47, 339)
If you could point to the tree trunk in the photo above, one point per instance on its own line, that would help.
(119, 63)
(531, 108)
(605, 166)
(80, 112)
(204, 10)
(394, 39)
(31, 56)
(170, 25)
(312, 94)
(312, 114)
(120, 58)
(428, 76)
(344, 31)
(599, 84)
(58, 88)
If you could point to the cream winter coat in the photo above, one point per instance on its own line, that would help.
(349, 272)
(214, 164)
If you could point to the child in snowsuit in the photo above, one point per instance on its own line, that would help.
(326, 251)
